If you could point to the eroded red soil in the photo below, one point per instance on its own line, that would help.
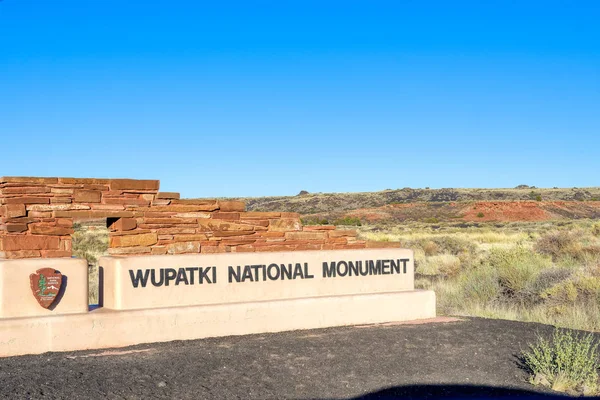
(484, 211)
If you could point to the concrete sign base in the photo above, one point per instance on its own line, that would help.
(108, 328)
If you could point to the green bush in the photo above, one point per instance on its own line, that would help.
(314, 221)
(480, 215)
(568, 362)
(350, 221)
(517, 271)
(480, 285)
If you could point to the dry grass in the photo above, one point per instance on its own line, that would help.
(536, 272)
(90, 242)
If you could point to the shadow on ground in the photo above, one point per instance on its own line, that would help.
(457, 392)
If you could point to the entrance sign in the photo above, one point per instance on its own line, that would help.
(171, 281)
(181, 297)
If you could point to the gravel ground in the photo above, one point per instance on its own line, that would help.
(471, 358)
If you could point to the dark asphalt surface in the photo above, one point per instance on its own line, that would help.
(474, 357)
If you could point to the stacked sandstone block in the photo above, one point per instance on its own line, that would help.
(37, 214)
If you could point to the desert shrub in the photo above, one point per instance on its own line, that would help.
(517, 268)
(430, 248)
(443, 264)
(548, 278)
(431, 220)
(589, 285)
(454, 245)
(535, 196)
(314, 221)
(480, 215)
(351, 221)
(560, 294)
(596, 229)
(480, 285)
(567, 362)
(558, 244)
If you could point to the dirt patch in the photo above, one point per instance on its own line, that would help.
(478, 211)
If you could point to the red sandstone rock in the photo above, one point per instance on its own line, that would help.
(27, 200)
(125, 233)
(111, 207)
(271, 234)
(305, 235)
(40, 214)
(203, 215)
(49, 230)
(174, 231)
(65, 222)
(83, 181)
(20, 254)
(170, 221)
(217, 225)
(62, 190)
(129, 250)
(125, 184)
(27, 179)
(55, 253)
(237, 241)
(232, 205)
(123, 224)
(12, 210)
(28, 242)
(255, 222)
(144, 239)
(203, 202)
(125, 201)
(276, 247)
(93, 214)
(57, 207)
(232, 233)
(15, 228)
(309, 246)
(180, 208)
(183, 247)
(66, 244)
(209, 249)
(168, 195)
(319, 228)
(24, 190)
(285, 224)
(189, 238)
(259, 215)
(60, 200)
(87, 196)
(226, 215)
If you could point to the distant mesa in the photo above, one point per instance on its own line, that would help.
(525, 187)
(303, 193)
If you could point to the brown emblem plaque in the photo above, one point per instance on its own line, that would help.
(45, 285)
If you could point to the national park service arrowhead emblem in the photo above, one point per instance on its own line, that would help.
(45, 285)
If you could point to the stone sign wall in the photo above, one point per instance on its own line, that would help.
(37, 214)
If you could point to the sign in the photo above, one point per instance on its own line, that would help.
(45, 285)
(170, 281)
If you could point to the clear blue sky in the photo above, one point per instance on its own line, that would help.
(270, 98)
